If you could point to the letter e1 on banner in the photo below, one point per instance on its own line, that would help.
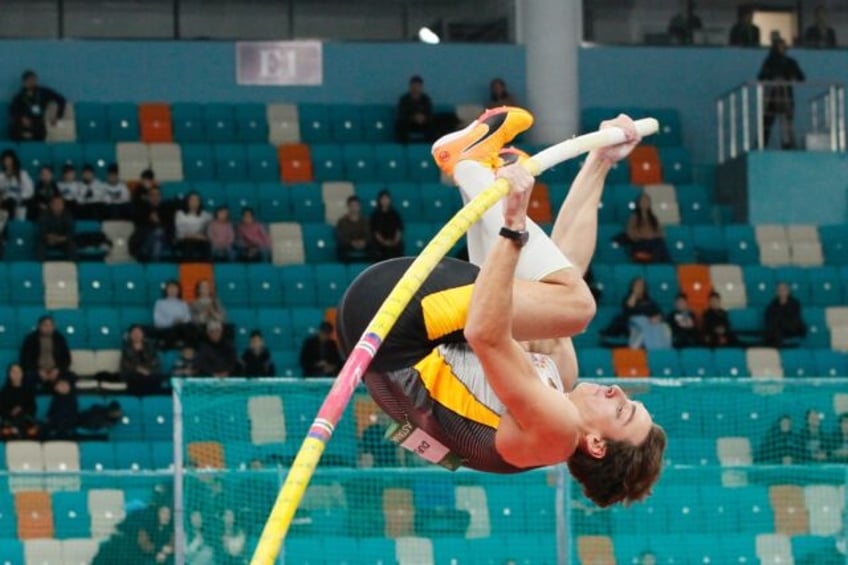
(279, 63)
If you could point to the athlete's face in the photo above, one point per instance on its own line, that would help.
(609, 414)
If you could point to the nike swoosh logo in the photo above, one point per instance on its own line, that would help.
(493, 124)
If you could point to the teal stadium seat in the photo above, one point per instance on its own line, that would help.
(92, 122)
(420, 164)
(354, 270)
(826, 287)
(731, 363)
(73, 325)
(287, 362)
(162, 454)
(676, 165)
(330, 283)
(319, 242)
(304, 323)
(231, 284)
(67, 153)
(439, 205)
(129, 282)
(798, 363)
(407, 199)
(694, 204)
(622, 276)
(710, 247)
(697, 362)
(305, 551)
(239, 195)
(315, 123)
(746, 321)
(671, 130)
(157, 418)
(251, 122)
(742, 246)
(70, 515)
(327, 162)
(378, 123)
(367, 193)
(595, 363)
(604, 280)
(664, 363)
(130, 315)
(187, 122)
(299, 288)
(130, 426)
(834, 240)
(360, 162)
(27, 284)
(244, 322)
(798, 280)
(759, 285)
(123, 121)
(10, 355)
(95, 284)
(663, 284)
(27, 317)
(97, 455)
(262, 163)
(219, 122)
(5, 283)
(623, 199)
(33, 156)
(211, 194)
(830, 363)
(346, 123)
(198, 162)
(416, 236)
(609, 251)
(391, 162)
(20, 241)
(99, 156)
(275, 325)
(453, 550)
(230, 162)
(103, 327)
(11, 549)
(157, 275)
(264, 286)
(307, 205)
(133, 455)
(275, 203)
(680, 244)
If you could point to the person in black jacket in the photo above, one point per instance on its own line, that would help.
(56, 231)
(414, 113)
(256, 360)
(17, 406)
(780, 98)
(684, 325)
(781, 445)
(716, 324)
(744, 33)
(216, 356)
(141, 368)
(32, 108)
(820, 35)
(638, 302)
(63, 412)
(45, 189)
(386, 228)
(154, 227)
(783, 318)
(319, 355)
(45, 356)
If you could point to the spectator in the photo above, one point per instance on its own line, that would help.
(499, 95)
(69, 186)
(116, 195)
(146, 183)
(684, 326)
(839, 441)
(206, 306)
(414, 114)
(17, 406)
(256, 359)
(352, 233)
(16, 188)
(32, 108)
(780, 98)
(781, 444)
(56, 231)
(153, 228)
(386, 228)
(198, 551)
(91, 198)
(645, 234)
(222, 236)
(716, 324)
(644, 318)
(190, 225)
(45, 189)
(813, 442)
(233, 540)
(253, 242)
(216, 356)
(186, 363)
(155, 538)
(172, 318)
(682, 26)
(744, 33)
(45, 357)
(820, 34)
(141, 368)
(63, 411)
(783, 317)
(374, 449)
(319, 354)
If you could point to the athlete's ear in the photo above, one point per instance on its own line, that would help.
(596, 446)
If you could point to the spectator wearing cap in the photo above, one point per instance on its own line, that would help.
(116, 195)
(32, 108)
(91, 198)
(216, 356)
(319, 354)
(414, 113)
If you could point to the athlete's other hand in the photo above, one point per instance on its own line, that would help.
(521, 184)
(618, 152)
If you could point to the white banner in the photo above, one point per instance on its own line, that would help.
(279, 63)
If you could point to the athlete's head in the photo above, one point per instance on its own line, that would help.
(620, 455)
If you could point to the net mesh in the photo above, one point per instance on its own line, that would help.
(736, 488)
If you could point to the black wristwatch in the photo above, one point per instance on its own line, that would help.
(520, 238)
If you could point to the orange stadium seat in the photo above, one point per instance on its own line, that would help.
(193, 273)
(645, 165)
(595, 550)
(365, 411)
(398, 512)
(206, 455)
(295, 162)
(539, 209)
(629, 362)
(695, 282)
(155, 120)
(35, 514)
(790, 514)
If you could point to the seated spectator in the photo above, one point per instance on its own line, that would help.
(414, 117)
(45, 357)
(206, 307)
(216, 356)
(45, 189)
(17, 406)
(141, 368)
(319, 354)
(645, 234)
(155, 537)
(253, 242)
(744, 33)
(839, 441)
(146, 183)
(715, 325)
(154, 225)
(172, 318)
(682, 26)
(386, 228)
(186, 363)
(198, 550)
(233, 539)
(644, 319)
(16, 187)
(814, 444)
(256, 359)
(684, 325)
(32, 108)
(116, 195)
(69, 186)
(781, 444)
(190, 226)
(56, 232)
(63, 412)
(783, 317)
(820, 34)
(499, 95)
(91, 198)
(222, 236)
(352, 234)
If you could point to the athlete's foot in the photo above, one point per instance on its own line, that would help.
(482, 139)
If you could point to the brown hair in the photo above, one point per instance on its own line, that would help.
(626, 473)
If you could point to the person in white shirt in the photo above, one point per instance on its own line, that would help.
(91, 198)
(69, 186)
(116, 195)
(16, 187)
(190, 226)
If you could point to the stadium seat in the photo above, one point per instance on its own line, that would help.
(680, 244)
(97, 456)
(231, 284)
(825, 505)
(307, 204)
(818, 334)
(790, 512)
(162, 455)
(103, 327)
(663, 284)
(219, 122)
(727, 281)
(360, 163)
(92, 122)
(834, 240)
(64, 129)
(421, 167)
(664, 363)
(305, 322)
(759, 285)
(206, 455)
(319, 243)
(132, 455)
(79, 551)
(629, 362)
(334, 196)
(35, 515)
(676, 165)
(774, 245)
(330, 283)
(263, 165)
(61, 289)
(187, 122)
(694, 281)
(596, 362)
(826, 287)
(67, 154)
(283, 123)
(645, 167)
(694, 204)
(192, 274)
(130, 283)
(295, 162)
(106, 508)
(230, 162)
(43, 551)
(798, 363)
(166, 159)
(70, 514)
(251, 121)
(437, 207)
(378, 123)
(741, 245)
(119, 233)
(130, 426)
(95, 285)
(157, 275)
(274, 202)
(730, 363)
(697, 362)
(346, 123)
(264, 286)
(671, 130)
(416, 236)
(198, 162)
(315, 123)
(11, 549)
(391, 162)
(595, 549)
(155, 120)
(275, 324)
(299, 288)
(829, 363)
(211, 194)
(20, 241)
(240, 195)
(33, 156)
(798, 280)
(27, 283)
(664, 203)
(123, 121)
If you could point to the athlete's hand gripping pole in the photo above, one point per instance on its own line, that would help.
(360, 357)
